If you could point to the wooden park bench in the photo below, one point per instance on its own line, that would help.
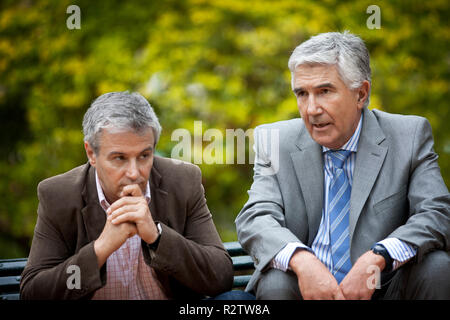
(11, 269)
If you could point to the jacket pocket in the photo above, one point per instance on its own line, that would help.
(396, 202)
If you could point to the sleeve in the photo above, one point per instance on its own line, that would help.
(400, 251)
(52, 270)
(261, 225)
(195, 258)
(428, 225)
(281, 260)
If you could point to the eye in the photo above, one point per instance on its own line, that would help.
(145, 156)
(119, 158)
(301, 94)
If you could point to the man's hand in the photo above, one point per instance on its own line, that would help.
(132, 207)
(355, 285)
(111, 238)
(314, 279)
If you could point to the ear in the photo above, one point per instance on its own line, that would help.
(363, 93)
(90, 154)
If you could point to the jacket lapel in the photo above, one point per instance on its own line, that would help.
(159, 196)
(369, 159)
(93, 215)
(308, 165)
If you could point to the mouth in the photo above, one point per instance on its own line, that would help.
(321, 126)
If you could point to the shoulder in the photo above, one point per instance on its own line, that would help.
(285, 126)
(64, 187)
(286, 130)
(399, 124)
(179, 179)
(407, 134)
(175, 170)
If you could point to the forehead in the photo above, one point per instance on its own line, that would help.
(306, 75)
(125, 140)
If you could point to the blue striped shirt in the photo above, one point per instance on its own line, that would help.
(399, 251)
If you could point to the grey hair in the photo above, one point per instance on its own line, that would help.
(344, 50)
(119, 110)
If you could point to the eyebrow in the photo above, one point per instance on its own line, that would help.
(121, 153)
(323, 85)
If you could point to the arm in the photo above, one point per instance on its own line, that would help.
(47, 271)
(196, 258)
(262, 231)
(282, 259)
(428, 226)
(261, 225)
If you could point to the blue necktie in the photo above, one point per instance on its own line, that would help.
(339, 211)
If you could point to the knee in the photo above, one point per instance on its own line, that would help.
(432, 275)
(275, 284)
(435, 266)
(234, 295)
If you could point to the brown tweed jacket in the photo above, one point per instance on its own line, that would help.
(190, 261)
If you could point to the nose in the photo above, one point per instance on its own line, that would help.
(133, 170)
(313, 107)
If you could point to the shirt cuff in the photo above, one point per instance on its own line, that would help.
(400, 251)
(281, 260)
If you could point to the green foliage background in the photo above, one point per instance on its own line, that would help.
(221, 62)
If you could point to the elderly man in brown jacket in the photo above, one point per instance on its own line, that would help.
(128, 224)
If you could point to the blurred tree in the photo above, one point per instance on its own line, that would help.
(220, 62)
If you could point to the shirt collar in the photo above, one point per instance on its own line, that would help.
(101, 196)
(352, 143)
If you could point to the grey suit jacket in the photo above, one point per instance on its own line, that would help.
(397, 190)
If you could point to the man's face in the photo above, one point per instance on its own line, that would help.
(329, 109)
(124, 158)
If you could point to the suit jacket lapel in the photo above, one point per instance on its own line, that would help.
(308, 164)
(369, 159)
(159, 196)
(93, 215)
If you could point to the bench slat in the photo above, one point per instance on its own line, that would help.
(11, 267)
(9, 284)
(234, 248)
(10, 296)
(242, 263)
(241, 281)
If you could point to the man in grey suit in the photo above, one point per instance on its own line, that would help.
(346, 202)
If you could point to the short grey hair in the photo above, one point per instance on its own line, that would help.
(119, 110)
(344, 50)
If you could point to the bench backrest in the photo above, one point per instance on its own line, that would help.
(242, 264)
(10, 270)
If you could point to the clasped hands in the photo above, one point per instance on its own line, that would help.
(317, 283)
(126, 217)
